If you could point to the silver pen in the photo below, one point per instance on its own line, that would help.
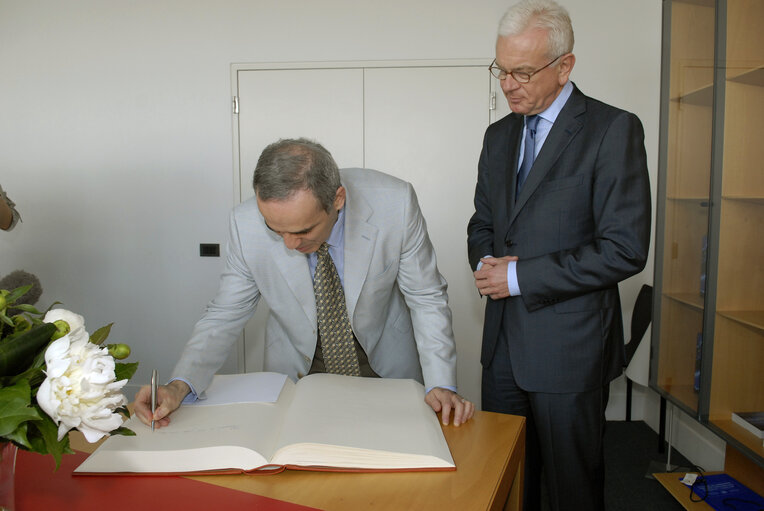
(154, 383)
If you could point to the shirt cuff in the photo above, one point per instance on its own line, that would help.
(192, 396)
(512, 284)
(447, 387)
(480, 263)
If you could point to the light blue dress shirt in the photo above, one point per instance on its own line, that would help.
(336, 243)
(544, 126)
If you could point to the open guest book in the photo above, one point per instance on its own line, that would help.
(322, 422)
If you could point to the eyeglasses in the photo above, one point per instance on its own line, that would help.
(519, 76)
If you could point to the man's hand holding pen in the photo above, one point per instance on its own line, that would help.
(168, 399)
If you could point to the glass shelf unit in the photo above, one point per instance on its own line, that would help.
(708, 333)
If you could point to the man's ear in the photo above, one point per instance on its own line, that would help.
(565, 67)
(339, 198)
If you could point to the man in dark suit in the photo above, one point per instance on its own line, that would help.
(549, 241)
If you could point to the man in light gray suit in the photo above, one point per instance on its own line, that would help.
(562, 205)
(377, 238)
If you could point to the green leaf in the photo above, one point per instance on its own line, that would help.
(123, 431)
(125, 411)
(15, 407)
(54, 447)
(52, 305)
(5, 319)
(45, 439)
(27, 308)
(17, 293)
(101, 334)
(19, 436)
(17, 354)
(125, 371)
(39, 359)
(34, 375)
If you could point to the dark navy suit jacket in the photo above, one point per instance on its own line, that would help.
(580, 225)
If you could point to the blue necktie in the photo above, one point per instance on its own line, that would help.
(529, 152)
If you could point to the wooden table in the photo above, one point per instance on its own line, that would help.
(488, 450)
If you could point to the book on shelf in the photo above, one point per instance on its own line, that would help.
(753, 422)
(322, 422)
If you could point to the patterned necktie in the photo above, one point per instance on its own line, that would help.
(529, 152)
(333, 324)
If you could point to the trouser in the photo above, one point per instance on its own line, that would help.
(564, 437)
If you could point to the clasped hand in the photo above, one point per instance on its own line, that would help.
(491, 278)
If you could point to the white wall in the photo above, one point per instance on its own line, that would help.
(116, 143)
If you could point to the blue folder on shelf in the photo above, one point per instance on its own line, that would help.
(727, 494)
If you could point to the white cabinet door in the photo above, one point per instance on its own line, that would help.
(426, 125)
(325, 105)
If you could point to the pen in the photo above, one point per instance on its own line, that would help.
(154, 383)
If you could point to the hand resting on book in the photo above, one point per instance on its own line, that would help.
(444, 400)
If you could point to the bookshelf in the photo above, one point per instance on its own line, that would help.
(708, 329)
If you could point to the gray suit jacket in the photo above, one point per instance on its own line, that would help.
(580, 225)
(396, 297)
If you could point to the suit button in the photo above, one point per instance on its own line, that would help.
(508, 243)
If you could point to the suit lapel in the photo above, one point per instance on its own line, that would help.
(569, 122)
(513, 135)
(360, 239)
(294, 268)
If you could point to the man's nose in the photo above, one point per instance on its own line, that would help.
(509, 83)
(291, 241)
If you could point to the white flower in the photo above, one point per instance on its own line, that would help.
(75, 321)
(80, 390)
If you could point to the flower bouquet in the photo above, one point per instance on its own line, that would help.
(54, 377)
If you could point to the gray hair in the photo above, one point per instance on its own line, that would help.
(546, 14)
(291, 165)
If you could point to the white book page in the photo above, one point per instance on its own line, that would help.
(242, 388)
(199, 438)
(378, 423)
